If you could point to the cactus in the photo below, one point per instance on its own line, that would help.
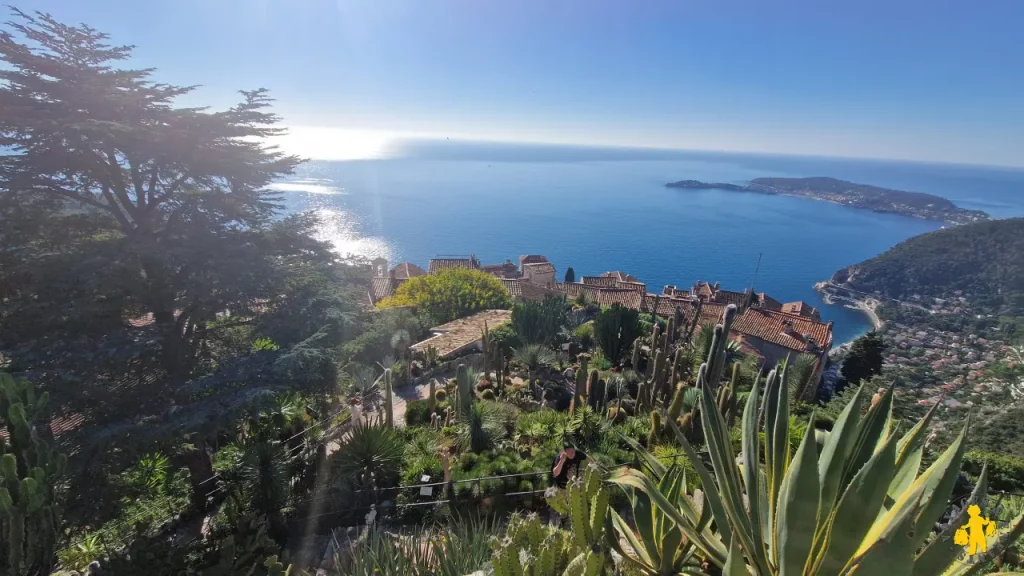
(585, 500)
(247, 549)
(581, 382)
(635, 359)
(671, 331)
(677, 367)
(464, 394)
(28, 471)
(655, 432)
(595, 390)
(389, 401)
(676, 407)
(432, 398)
(695, 322)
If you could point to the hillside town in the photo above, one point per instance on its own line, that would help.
(765, 327)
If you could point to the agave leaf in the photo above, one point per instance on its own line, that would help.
(798, 507)
(857, 509)
(871, 429)
(669, 546)
(906, 473)
(734, 564)
(914, 438)
(892, 553)
(776, 452)
(723, 460)
(939, 481)
(643, 557)
(657, 468)
(712, 498)
(941, 550)
(643, 516)
(626, 477)
(832, 462)
(912, 496)
(751, 471)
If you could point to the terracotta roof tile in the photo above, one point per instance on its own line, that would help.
(539, 267)
(438, 264)
(532, 259)
(638, 286)
(801, 309)
(628, 298)
(458, 334)
(406, 270)
(381, 288)
(730, 297)
(794, 332)
(768, 303)
(506, 270)
(620, 276)
(520, 289)
(607, 281)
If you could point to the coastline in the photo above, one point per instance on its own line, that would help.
(866, 305)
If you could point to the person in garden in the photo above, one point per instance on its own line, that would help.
(567, 464)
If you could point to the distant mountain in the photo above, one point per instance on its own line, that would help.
(864, 196)
(984, 261)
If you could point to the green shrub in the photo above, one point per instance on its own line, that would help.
(1004, 472)
(505, 338)
(487, 394)
(584, 335)
(601, 362)
(417, 412)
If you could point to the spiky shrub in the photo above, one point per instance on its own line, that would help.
(371, 456)
(481, 428)
(585, 552)
(464, 394)
(29, 474)
(862, 507)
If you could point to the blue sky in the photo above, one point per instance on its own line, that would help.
(911, 79)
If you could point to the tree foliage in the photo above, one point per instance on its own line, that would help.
(864, 359)
(615, 329)
(450, 294)
(570, 275)
(538, 321)
(982, 259)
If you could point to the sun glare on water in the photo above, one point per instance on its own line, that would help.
(321, 143)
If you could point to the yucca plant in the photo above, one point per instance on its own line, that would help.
(863, 506)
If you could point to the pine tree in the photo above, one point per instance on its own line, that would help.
(864, 359)
(570, 275)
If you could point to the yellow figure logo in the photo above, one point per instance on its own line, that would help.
(973, 534)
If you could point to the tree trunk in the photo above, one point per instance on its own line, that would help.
(200, 469)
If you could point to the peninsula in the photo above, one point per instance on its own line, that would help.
(863, 196)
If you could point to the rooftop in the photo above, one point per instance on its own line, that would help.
(520, 289)
(598, 281)
(539, 267)
(438, 264)
(621, 276)
(406, 270)
(459, 334)
(532, 259)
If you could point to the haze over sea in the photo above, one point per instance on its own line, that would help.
(602, 209)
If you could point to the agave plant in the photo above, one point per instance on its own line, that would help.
(863, 506)
(480, 427)
(371, 456)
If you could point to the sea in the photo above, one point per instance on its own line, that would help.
(604, 209)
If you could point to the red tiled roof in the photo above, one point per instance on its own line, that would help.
(620, 276)
(638, 286)
(598, 281)
(458, 334)
(628, 298)
(506, 270)
(768, 303)
(787, 330)
(381, 288)
(730, 297)
(532, 259)
(539, 267)
(521, 289)
(438, 264)
(406, 270)
(675, 292)
(801, 309)
(703, 289)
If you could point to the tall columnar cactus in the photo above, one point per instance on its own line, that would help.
(581, 382)
(29, 471)
(389, 401)
(695, 321)
(635, 359)
(676, 407)
(595, 390)
(432, 400)
(671, 331)
(677, 315)
(711, 371)
(655, 432)
(658, 376)
(655, 339)
(727, 397)
(464, 398)
(678, 360)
